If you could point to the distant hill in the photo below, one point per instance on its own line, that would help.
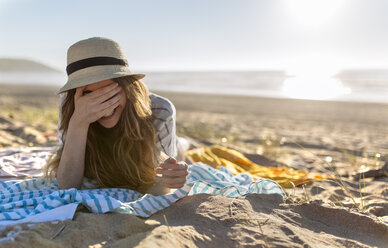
(366, 74)
(23, 65)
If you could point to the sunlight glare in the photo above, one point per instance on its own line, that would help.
(314, 88)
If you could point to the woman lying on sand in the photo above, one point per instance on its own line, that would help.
(118, 143)
(112, 130)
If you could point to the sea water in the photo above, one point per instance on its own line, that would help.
(351, 85)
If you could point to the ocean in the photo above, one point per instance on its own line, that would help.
(349, 85)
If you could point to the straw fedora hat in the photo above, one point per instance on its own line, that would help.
(93, 60)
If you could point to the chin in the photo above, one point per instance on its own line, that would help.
(109, 124)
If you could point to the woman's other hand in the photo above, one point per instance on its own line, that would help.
(172, 173)
(91, 106)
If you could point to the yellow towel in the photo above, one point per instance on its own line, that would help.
(236, 163)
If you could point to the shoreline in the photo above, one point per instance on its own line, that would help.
(49, 90)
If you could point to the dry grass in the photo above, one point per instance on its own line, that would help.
(364, 161)
(340, 182)
(44, 119)
(205, 132)
(257, 220)
(166, 222)
(270, 147)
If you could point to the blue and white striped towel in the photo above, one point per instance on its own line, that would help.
(20, 199)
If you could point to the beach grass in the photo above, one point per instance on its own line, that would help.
(45, 118)
(359, 204)
(206, 132)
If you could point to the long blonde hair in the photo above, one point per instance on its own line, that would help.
(124, 156)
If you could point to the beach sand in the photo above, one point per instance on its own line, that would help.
(319, 136)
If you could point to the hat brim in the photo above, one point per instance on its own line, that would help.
(98, 74)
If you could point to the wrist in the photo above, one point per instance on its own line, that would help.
(75, 122)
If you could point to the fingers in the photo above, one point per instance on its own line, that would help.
(108, 95)
(109, 103)
(102, 91)
(174, 166)
(92, 106)
(170, 160)
(110, 108)
(79, 92)
(171, 173)
(188, 160)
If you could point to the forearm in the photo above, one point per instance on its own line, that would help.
(71, 168)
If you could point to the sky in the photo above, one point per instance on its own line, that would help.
(182, 35)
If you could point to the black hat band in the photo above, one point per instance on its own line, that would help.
(95, 61)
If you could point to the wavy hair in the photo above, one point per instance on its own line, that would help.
(123, 156)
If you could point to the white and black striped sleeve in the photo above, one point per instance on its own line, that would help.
(60, 131)
(164, 115)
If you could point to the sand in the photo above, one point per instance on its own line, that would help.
(318, 136)
(213, 221)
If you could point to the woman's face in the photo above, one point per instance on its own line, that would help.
(111, 121)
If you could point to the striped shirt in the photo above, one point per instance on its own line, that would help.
(164, 114)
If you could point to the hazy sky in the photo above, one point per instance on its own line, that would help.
(294, 35)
